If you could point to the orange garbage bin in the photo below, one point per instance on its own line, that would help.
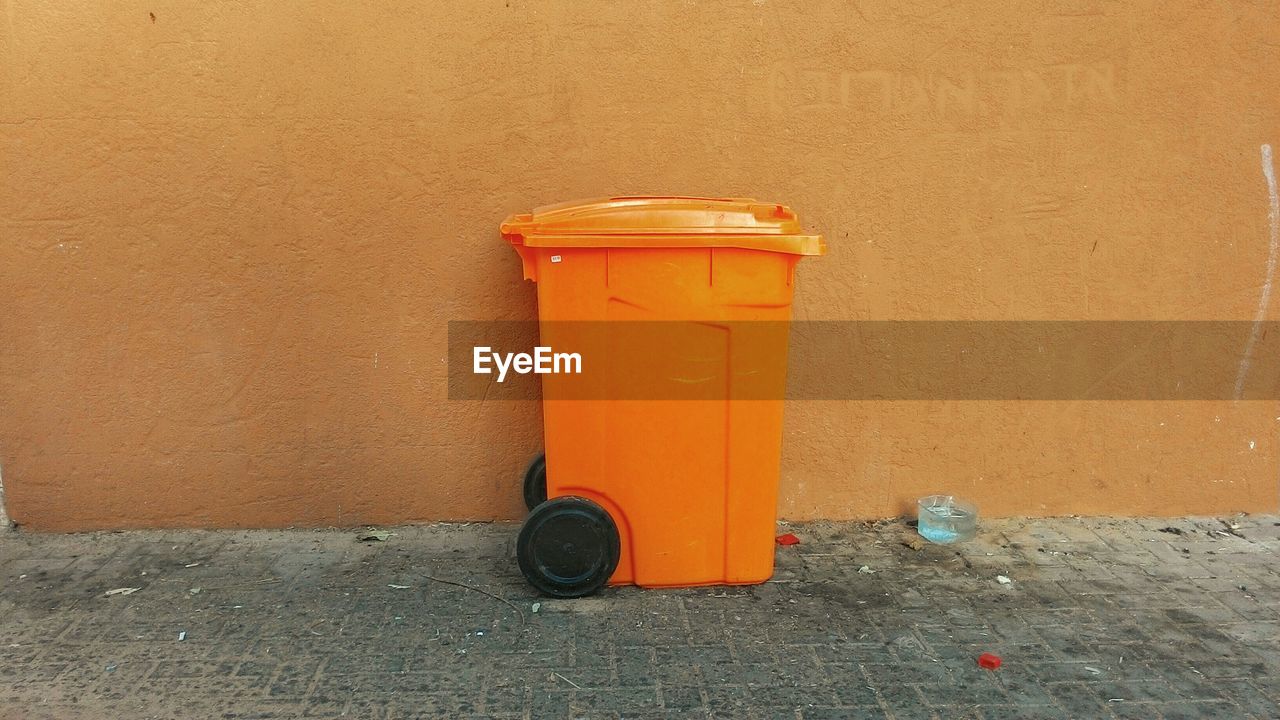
(661, 461)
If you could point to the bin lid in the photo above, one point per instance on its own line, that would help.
(664, 221)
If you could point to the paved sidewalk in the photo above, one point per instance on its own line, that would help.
(1102, 618)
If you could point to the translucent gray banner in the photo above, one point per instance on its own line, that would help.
(866, 360)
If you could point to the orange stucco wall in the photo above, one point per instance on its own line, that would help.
(233, 233)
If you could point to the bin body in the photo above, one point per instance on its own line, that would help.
(680, 440)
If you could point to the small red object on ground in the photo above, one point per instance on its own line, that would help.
(988, 661)
(788, 539)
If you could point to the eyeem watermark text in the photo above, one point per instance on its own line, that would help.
(543, 361)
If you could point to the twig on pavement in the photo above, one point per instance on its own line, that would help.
(499, 598)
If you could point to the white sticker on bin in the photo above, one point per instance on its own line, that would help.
(555, 258)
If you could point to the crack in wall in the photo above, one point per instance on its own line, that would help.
(4, 517)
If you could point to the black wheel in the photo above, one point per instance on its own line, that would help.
(568, 547)
(535, 482)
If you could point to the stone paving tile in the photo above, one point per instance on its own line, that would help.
(1144, 618)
